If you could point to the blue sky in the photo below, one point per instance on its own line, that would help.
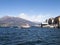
(34, 10)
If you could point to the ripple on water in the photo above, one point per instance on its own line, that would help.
(33, 36)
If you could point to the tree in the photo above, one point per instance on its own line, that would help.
(56, 20)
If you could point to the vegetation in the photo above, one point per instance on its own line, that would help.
(56, 20)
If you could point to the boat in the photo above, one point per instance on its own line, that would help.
(25, 26)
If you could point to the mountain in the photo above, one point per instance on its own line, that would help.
(14, 21)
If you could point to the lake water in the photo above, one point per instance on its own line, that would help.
(31, 36)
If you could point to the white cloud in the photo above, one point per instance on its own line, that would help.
(34, 18)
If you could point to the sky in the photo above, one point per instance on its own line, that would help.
(33, 10)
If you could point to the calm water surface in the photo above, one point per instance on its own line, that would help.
(31, 36)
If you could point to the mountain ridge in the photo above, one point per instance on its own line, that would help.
(14, 21)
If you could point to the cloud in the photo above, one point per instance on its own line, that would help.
(34, 18)
(24, 16)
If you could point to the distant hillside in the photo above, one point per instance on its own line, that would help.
(14, 21)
